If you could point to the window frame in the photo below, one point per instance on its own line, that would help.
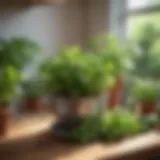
(119, 13)
(144, 10)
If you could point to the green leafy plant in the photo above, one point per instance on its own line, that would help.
(45, 67)
(145, 35)
(145, 91)
(9, 78)
(17, 52)
(74, 73)
(119, 124)
(34, 88)
(111, 126)
(88, 131)
(154, 60)
(115, 55)
(146, 60)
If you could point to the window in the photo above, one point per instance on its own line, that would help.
(141, 12)
(143, 27)
(141, 4)
(126, 14)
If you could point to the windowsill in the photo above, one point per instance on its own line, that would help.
(30, 138)
(27, 125)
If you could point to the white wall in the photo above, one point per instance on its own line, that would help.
(54, 25)
(50, 26)
(98, 16)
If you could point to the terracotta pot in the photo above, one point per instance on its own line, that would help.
(115, 93)
(4, 121)
(34, 104)
(147, 108)
(157, 127)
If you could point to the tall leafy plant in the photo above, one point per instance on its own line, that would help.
(17, 52)
(14, 55)
(115, 55)
(9, 78)
(74, 73)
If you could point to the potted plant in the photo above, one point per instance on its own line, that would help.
(158, 111)
(76, 79)
(112, 126)
(117, 61)
(146, 94)
(45, 70)
(34, 90)
(9, 79)
(17, 52)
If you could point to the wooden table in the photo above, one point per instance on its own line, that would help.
(30, 139)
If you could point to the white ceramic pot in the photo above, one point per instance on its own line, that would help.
(67, 107)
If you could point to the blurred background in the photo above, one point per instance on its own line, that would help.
(64, 61)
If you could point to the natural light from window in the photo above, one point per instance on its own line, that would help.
(135, 20)
(133, 4)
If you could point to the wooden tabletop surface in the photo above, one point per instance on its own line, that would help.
(30, 138)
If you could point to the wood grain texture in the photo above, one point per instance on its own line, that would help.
(36, 142)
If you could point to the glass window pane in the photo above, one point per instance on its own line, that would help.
(135, 21)
(137, 4)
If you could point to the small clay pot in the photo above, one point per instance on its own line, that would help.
(157, 127)
(147, 108)
(115, 93)
(4, 121)
(34, 104)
